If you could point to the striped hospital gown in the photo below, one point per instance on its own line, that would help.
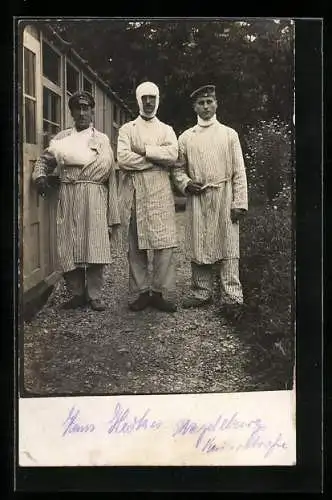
(87, 203)
(147, 179)
(212, 155)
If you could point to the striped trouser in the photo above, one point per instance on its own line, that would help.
(203, 277)
(78, 281)
(163, 272)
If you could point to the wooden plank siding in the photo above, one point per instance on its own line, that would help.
(108, 119)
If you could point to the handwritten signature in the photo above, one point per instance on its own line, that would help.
(254, 435)
(122, 422)
(250, 434)
(73, 425)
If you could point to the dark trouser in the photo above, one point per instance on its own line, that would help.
(78, 281)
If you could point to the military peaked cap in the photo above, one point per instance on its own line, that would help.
(205, 91)
(81, 97)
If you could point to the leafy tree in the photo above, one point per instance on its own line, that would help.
(251, 63)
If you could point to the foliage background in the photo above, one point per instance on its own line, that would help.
(250, 62)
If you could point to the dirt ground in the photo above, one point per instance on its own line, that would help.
(122, 352)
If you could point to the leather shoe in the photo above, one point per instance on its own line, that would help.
(195, 302)
(97, 305)
(141, 303)
(75, 302)
(158, 302)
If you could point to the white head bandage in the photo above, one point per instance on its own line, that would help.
(147, 88)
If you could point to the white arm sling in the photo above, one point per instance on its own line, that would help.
(73, 149)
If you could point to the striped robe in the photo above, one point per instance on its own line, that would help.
(87, 202)
(212, 155)
(145, 181)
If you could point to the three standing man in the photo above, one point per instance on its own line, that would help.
(206, 164)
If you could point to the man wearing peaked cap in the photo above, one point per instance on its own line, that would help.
(87, 210)
(205, 91)
(210, 171)
(81, 97)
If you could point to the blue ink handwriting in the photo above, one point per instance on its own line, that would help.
(72, 424)
(209, 437)
(208, 444)
(124, 423)
(188, 426)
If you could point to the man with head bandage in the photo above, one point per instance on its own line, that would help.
(150, 93)
(147, 150)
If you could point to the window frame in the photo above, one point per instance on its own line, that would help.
(69, 62)
(30, 98)
(47, 120)
(67, 120)
(118, 117)
(83, 75)
(43, 41)
(56, 89)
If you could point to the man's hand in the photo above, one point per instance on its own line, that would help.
(42, 186)
(194, 188)
(237, 214)
(139, 150)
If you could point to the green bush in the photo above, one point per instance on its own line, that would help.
(267, 277)
(266, 241)
(268, 152)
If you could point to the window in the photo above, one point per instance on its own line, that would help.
(87, 85)
(116, 115)
(72, 79)
(52, 82)
(30, 121)
(72, 86)
(29, 72)
(51, 115)
(51, 64)
(30, 135)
